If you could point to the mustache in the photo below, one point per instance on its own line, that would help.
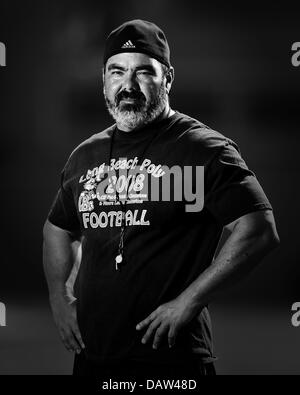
(135, 95)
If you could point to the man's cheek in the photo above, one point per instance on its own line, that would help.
(153, 93)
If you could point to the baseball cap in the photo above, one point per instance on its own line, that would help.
(138, 36)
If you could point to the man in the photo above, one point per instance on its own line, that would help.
(147, 271)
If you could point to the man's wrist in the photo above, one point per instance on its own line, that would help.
(59, 294)
(191, 301)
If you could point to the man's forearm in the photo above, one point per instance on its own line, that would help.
(241, 253)
(57, 259)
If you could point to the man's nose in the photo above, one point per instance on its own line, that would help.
(130, 82)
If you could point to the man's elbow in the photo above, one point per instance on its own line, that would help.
(270, 237)
(260, 227)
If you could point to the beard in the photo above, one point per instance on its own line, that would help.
(139, 113)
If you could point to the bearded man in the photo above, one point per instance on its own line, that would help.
(148, 270)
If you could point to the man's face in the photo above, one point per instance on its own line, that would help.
(134, 89)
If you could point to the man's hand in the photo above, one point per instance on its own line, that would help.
(65, 318)
(167, 320)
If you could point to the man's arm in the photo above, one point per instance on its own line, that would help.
(58, 257)
(253, 236)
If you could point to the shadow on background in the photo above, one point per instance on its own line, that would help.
(233, 72)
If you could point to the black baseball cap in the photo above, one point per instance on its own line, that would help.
(138, 36)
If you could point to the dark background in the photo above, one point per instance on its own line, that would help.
(233, 72)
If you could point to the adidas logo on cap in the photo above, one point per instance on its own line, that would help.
(128, 44)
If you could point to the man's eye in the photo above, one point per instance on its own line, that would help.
(145, 72)
(116, 72)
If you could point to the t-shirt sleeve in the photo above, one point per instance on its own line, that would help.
(231, 189)
(63, 212)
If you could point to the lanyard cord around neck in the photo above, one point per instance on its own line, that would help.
(119, 259)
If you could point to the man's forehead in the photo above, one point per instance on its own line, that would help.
(132, 59)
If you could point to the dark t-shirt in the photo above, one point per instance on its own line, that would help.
(166, 245)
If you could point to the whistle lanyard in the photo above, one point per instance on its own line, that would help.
(119, 259)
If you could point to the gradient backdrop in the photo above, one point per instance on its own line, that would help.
(233, 72)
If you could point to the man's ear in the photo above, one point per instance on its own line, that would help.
(170, 78)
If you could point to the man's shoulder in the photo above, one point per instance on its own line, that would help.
(94, 140)
(91, 144)
(200, 135)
